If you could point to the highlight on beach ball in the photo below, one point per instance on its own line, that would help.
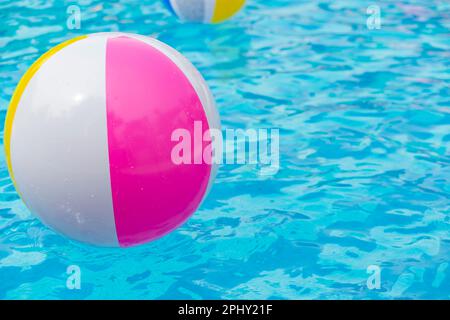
(207, 11)
(88, 138)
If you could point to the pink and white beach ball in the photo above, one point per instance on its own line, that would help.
(88, 138)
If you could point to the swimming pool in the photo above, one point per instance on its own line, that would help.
(364, 177)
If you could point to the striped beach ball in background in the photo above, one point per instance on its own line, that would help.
(207, 11)
(88, 138)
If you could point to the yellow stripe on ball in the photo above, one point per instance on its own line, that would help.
(225, 9)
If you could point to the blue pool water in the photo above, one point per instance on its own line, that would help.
(364, 180)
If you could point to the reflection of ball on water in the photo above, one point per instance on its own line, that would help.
(88, 138)
(207, 11)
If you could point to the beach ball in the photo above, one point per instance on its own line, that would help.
(88, 138)
(207, 11)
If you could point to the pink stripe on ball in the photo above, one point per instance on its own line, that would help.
(147, 98)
